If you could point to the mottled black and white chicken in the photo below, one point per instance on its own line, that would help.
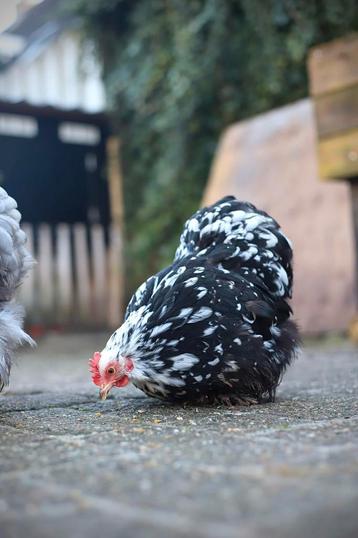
(15, 262)
(213, 326)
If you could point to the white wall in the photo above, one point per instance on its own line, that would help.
(62, 74)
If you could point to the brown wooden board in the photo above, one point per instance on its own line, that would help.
(333, 66)
(338, 156)
(337, 111)
(271, 161)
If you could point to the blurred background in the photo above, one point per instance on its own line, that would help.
(119, 118)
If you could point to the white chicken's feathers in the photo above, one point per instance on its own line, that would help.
(15, 262)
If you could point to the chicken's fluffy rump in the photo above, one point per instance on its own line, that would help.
(214, 326)
(15, 262)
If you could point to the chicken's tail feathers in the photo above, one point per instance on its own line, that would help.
(286, 345)
(15, 260)
(12, 335)
(237, 236)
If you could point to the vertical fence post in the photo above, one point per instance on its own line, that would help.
(116, 280)
(353, 329)
(45, 271)
(116, 262)
(333, 77)
(64, 273)
(82, 270)
(100, 274)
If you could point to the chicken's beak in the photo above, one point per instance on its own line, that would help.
(104, 390)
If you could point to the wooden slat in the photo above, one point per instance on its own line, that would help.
(338, 156)
(116, 278)
(100, 274)
(334, 65)
(45, 272)
(64, 273)
(116, 271)
(115, 180)
(82, 268)
(337, 111)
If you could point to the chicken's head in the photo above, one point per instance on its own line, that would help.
(108, 372)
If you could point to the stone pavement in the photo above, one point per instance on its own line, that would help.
(72, 466)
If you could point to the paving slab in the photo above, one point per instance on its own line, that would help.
(71, 465)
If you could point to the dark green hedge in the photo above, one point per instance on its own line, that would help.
(177, 73)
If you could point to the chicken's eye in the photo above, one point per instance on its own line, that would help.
(110, 370)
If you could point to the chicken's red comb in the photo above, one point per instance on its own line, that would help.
(93, 364)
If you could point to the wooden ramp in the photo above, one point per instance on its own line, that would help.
(271, 161)
(78, 278)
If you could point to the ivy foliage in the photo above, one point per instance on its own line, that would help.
(177, 72)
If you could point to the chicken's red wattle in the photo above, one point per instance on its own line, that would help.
(94, 369)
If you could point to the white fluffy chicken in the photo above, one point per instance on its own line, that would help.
(15, 262)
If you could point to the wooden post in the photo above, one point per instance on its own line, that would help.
(100, 274)
(82, 269)
(116, 263)
(333, 73)
(64, 277)
(115, 179)
(353, 328)
(45, 273)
